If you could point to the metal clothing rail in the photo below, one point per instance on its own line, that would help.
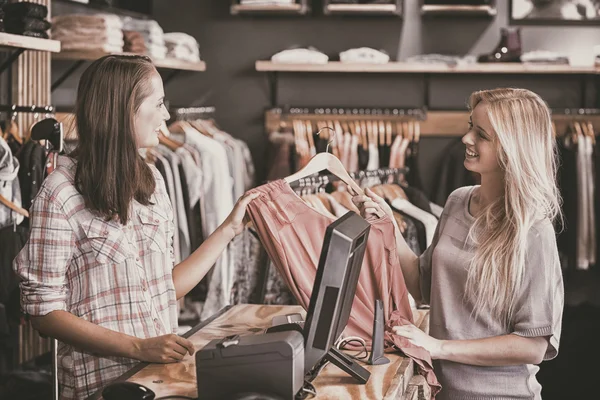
(183, 113)
(26, 109)
(322, 180)
(417, 113)
(576, 111)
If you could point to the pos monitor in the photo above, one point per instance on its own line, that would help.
(333, 293)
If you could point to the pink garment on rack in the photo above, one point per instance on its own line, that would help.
(292, 234)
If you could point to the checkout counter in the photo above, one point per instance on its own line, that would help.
(394, 381)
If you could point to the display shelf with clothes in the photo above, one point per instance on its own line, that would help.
(290, 217)
(364, 138)
(207, 170)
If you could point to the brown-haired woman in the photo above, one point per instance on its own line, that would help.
(98, 271)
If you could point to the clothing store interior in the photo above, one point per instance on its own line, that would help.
(302, 105)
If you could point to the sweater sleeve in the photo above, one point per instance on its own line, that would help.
(540, 305)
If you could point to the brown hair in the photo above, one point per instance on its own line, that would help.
(110, 172)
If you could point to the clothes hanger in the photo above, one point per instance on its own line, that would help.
(383, 132)
(417, 131)
(13, 206)
(591, 131)
(388, 133)
(326, 161)
(309, 136)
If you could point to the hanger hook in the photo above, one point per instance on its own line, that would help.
(333, 136)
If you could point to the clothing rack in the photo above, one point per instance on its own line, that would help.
(323, 180)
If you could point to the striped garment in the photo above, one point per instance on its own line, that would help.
(113, 275)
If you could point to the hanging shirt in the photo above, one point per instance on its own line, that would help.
(426, 218)
(443, 275)
(9, 186)
(218, 203)
(113, 275)
(292, 234)
(180, 206)
(170, 185)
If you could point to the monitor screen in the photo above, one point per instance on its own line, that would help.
(335, 286)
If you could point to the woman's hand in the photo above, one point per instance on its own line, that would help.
(421, 339)
(236, 221)
(163, 349)
(372, 204)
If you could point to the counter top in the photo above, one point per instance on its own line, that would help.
(390, 381)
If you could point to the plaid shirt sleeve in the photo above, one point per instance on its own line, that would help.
(42, 264)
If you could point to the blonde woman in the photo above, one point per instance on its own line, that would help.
(492, 274)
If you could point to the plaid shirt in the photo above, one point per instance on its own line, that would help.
(113, 275)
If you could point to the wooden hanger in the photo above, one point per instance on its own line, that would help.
(417, 131)
(577, 131)
(591, 131)
(202, 128)
(382, 132)
(13, 206)
(388, 133)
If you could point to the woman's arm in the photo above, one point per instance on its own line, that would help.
(372, 204)
(95, 339)
(190, 271)
(489, 352)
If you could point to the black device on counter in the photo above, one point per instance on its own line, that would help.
(277, 361)
(271, 364)
(333, 294)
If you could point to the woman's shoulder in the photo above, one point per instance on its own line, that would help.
(457, 199)
(59, 186)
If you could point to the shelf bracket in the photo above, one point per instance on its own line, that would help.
(66, 74)
(11, 59)
(273, 78)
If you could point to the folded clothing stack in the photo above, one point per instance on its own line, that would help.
(27, 19)
(544, 57)
(266, 2)
(98, 32)
(134, 42)
(362, 1)
(182, 46)
(300, 56)
(364, 55)
(152, 33)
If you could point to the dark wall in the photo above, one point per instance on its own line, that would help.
(231, 45)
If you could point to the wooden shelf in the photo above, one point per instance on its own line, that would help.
(403, 67)
(8, 40)
(169, 63)
(362, 9)
(291, 9)
(466, 10)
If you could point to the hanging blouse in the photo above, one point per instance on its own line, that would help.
(292, 234)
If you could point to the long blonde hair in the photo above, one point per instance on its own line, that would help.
(526, 153)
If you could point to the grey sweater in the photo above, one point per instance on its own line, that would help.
(443, 269)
